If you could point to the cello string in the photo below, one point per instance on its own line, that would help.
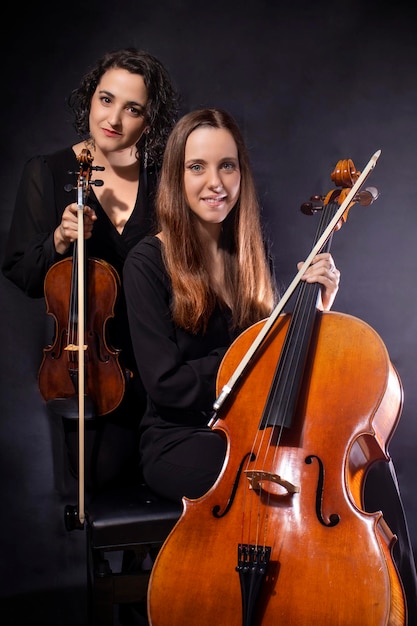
(295, 351)
(283, 394)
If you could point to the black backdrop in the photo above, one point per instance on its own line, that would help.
(310, 83)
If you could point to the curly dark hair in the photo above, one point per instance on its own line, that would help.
(163, 101)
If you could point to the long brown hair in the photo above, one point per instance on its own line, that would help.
(247, 269)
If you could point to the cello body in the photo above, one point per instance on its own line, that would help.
(294, 494)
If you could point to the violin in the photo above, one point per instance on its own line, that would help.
(307, 402)
(80, 376)
(95, 284)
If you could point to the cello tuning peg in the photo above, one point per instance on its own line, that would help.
(97, 183)
(315, 204)
(98, 168)
(69, 187)
(307, 208)
(367, 196)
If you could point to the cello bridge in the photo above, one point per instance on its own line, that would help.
(256, 478)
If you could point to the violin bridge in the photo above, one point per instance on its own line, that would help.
(256, 478)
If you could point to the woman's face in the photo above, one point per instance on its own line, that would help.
(117, 113)
(211, 173)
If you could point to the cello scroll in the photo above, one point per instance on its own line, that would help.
(345, 176)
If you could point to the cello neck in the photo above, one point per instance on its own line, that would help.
(282, 400)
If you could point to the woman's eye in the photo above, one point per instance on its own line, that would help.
(136, 112)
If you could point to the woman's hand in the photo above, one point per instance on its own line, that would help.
(67, 232)
(323, 270)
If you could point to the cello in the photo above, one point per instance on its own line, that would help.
(307, 402)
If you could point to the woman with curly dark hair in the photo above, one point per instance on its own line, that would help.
(124, 110)
(161, 106)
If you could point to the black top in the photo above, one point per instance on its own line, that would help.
(178, 369)
(40, 203)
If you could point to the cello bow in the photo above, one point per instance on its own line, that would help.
(321, 241)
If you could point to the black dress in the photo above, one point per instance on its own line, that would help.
(179, 454)
(111, 441)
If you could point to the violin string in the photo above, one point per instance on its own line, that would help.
(72, 313)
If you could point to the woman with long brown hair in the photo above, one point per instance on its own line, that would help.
(192, 289)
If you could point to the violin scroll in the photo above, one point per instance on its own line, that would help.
(85, 160)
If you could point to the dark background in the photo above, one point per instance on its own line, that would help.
(310, 83)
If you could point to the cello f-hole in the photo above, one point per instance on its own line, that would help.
(334, 518)
(217, 509)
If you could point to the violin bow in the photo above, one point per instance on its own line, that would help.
(83, 181)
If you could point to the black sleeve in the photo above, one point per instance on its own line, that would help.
(30, 249)
(178, 369)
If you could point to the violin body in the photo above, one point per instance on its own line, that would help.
(105, 380)
(297, 493)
